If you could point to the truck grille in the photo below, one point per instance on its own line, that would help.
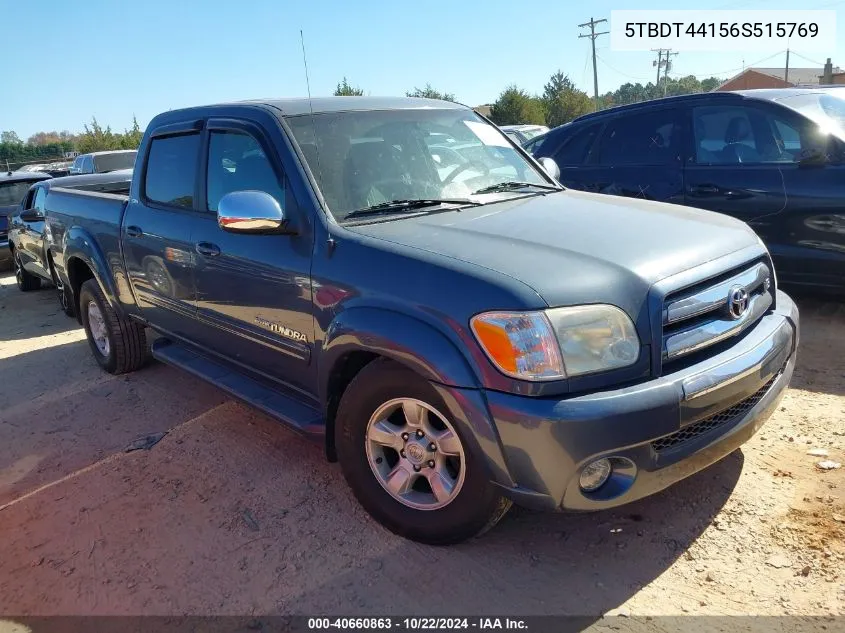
(714, 421)
(715, 310)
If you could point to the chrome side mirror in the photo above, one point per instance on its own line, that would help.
(550, 166)
(250, 212)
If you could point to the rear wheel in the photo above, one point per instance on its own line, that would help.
(119, 345)
(25, 280)
(406, 460)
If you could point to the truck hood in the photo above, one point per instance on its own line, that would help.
(573, 247)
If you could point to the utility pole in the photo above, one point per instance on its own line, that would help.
(593, 35)
(667, 64)
(786, 74)
(658, 63)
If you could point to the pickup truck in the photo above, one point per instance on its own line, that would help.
(28, 236)
(456, 329)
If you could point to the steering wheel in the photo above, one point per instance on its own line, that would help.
(456, 156)
(462, 168)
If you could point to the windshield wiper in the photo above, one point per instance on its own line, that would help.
(392, 206)
(510, 185)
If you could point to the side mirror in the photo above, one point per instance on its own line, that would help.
(31, 215)
(250, 212)
(550, 166)
(812, 157)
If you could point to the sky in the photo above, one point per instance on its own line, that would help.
(113, 59)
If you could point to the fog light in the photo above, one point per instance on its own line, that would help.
(595, 474)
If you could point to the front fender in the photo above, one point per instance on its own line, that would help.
(400, 337)
(79, 244)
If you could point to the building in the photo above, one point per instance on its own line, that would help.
(753, 78)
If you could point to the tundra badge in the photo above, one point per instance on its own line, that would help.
(281, 329)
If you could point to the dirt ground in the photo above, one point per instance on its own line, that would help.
(232, 514)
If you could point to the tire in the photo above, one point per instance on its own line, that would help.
(26, 281)
(118, 345)
(474, 504)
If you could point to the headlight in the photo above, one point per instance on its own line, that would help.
(556, 343)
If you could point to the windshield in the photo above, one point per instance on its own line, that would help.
(111, 162)
(825, 109)
(367, 158)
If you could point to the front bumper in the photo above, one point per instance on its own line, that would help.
(655, 433)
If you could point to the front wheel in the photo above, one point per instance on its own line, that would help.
(119, 345)
(406, 460)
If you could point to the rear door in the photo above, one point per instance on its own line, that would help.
(254, 301)
(732, 164)
(638, 155)
(156, 230)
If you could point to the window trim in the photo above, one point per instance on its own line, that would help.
(164, 132)
(242, 126)
(594, 155)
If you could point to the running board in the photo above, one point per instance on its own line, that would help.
(291, 412)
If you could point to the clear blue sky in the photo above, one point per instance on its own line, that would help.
(115, 58)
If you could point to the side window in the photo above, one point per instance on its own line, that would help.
(577, 145)
(533, 146)
(171, 170)
(88, 165)
(236, 162)
(30, 198)
(647, 138)
(732, 135)
(40, 197)
(76, 167)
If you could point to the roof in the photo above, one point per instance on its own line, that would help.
(23, 176)
(796, 75)
(303, 105)
(109, 151)
(776, 94)
(524, 126)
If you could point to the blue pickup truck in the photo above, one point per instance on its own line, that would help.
(398, 280)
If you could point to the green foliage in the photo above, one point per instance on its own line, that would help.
(515, 106)
(345, 89)
(634, 93)
(562, 101)
(430, 93)
(51, 146)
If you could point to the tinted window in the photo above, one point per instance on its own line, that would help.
(733, 135)
(534, 145)
(88, 165)
(576, 145)
(113, 162)
(171, 170)
(40, 197)
(647, 138)
(12, 193)
(236, 162)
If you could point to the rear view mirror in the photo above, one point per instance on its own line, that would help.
(550, 166)
(250, 212)
(31, 215)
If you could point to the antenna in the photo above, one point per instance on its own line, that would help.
(311, 108)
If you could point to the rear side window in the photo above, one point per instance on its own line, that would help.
(647, 138)
(171, 170)
(577, 145)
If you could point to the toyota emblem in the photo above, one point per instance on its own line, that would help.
(737, 302)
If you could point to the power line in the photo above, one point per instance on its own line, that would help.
(593, 35)
(616, 70)
(813, 61)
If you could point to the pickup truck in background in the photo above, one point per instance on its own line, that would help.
(27, 230)
(398, 280)
(103, 162)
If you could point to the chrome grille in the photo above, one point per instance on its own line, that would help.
(714, 421)
(700, 316)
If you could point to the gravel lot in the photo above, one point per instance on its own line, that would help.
(232, 514)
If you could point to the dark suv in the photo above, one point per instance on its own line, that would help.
(772, 158)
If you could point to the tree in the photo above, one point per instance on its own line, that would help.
(345, 89)
(430, 93)
(563, 101)
(515, 106)
(9, 137)
(132, 138)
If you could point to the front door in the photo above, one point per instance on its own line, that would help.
(253, 291)
(32, 231)
(157, 233)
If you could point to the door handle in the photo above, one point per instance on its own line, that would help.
(207, 249)
(704, 190)
(134, 231)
